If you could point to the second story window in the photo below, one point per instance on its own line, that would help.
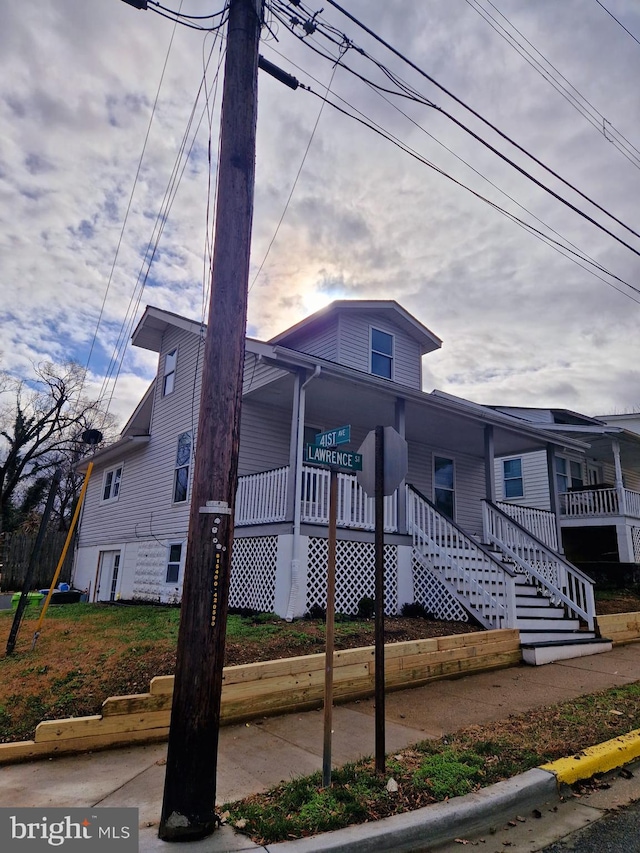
(444, 486)
(183, 462)
(568, 474)
(111, 484)
(381, 354)
(169, 379)
(512, 478)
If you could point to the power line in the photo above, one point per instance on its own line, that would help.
(555, 78)
(611, 15)
(295, 182)
(369, 123)
(421, 99)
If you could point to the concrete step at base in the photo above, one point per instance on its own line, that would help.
(537, 654)
(532, 637)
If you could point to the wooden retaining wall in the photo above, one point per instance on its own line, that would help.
(619, 627)
(272, 687)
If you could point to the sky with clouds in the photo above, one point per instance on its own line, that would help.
(521, 323)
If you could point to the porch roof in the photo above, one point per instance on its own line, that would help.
(345, 395)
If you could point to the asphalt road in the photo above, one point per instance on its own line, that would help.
(615, 833)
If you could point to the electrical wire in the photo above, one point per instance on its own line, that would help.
(578, 101)
(129, 203)
(295, 182)
(602, 6)
(115, 366)
(421, 99)
(415, 155)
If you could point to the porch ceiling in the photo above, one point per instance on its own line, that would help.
(334, 402)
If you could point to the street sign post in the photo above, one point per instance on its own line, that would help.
(324, 453)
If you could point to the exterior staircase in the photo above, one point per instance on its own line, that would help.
(516, 581)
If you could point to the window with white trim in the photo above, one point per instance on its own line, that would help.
(111, 484)
(568, 474)
(174, 558)
(381, 354)
(513, 483)
(444, 486)
(169, 377)
(183, 464)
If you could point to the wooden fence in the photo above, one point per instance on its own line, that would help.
(15, 552)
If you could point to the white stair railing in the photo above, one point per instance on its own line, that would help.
(562, 581)
(472, 574)
(540, 522)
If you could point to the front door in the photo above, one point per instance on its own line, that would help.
(107, 579)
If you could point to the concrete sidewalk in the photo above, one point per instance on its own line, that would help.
(255, 756)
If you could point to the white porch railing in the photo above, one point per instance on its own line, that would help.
(355, 509)
(563, 582)
(472, 574)
(262, 498)
(540, 522)
(591, 502)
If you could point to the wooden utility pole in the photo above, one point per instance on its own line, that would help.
(188, 810)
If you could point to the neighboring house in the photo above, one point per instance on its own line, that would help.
(596, 493)
(356, 362)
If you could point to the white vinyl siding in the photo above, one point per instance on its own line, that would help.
(265, 432)
(257, 374)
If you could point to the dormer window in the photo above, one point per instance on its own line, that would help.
(169, 372)
(381, 354)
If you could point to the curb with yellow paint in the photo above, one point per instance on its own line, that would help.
(596, 759)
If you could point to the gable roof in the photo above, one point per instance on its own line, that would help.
(394, 312)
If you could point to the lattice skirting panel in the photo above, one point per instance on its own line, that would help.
(355, 575)
(253, 573)
(635, 535)
(434, 596)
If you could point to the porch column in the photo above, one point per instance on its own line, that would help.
(296, 416)
(400, 425)
(619, 482)
(489, 464)
(553, 492)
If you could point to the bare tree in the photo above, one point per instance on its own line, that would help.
(41, 423)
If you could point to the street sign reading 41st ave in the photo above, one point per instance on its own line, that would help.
(333, 437)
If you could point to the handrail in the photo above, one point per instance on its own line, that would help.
(537, 521)
(571, 586)
(473, 569)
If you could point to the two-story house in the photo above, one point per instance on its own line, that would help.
(595, 494)
(356, 363)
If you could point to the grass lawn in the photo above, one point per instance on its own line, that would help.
(88, 652)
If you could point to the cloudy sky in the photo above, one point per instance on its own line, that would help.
(521, 323)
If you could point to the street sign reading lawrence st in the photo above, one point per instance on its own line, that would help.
(333, 437)
(317, 455)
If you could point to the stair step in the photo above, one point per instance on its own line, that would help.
(537, 611)
(534, 637)
(543, 623)
(537, 654)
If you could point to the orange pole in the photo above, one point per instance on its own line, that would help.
(72, 526)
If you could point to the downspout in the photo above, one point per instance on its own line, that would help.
(297, 501)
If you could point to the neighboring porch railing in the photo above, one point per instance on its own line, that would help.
(590, 502)
(563, 582)
(540, 522)
(482, 584)
(262, 499)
